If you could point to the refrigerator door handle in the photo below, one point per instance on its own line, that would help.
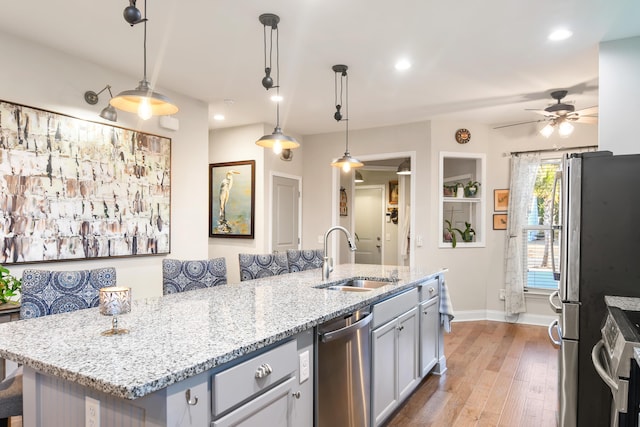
(556, 181)
(554, 307)
(553, 325)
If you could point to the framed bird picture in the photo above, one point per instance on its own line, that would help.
(232, 199)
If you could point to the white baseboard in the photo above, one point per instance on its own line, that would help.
(500, 316)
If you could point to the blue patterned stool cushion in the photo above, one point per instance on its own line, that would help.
(179, 276)
(254, 266)
(47, 292)
(304, 259)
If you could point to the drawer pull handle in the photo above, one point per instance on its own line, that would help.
(192, 402)
(425, 312)
(263, 370)
(297, 394)
(400, 328)
(431, 289)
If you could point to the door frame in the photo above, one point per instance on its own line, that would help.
(383, 213)
(298, 178)
(335, 198)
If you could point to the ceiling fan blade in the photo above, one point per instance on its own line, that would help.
(520, 123)
(587, 111)
(542, 112)
(585, 119)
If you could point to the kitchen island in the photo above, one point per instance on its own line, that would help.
(156, 373)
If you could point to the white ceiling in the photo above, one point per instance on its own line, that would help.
(482, 61)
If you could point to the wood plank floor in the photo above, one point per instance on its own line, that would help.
(499, 374)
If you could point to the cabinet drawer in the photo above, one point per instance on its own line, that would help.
(429, 289)
(240, 382)
(393, 307)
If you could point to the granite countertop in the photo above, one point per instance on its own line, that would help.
(181, 335)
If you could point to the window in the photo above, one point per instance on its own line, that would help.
(542, 253)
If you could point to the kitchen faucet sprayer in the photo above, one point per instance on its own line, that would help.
(327, 262)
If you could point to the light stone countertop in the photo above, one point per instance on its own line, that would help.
(177, 336)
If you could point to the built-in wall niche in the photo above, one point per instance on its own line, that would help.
(458, 204)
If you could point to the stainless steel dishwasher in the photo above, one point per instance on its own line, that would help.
(344, 366)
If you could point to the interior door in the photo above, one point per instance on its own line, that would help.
(286, 207)
(369, 217)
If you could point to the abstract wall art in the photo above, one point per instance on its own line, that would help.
(232, 199)
(73, 189)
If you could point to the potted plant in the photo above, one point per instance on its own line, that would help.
(471, 188)
(9, 286)
(466, 235)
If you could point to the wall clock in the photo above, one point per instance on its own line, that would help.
(463, 136)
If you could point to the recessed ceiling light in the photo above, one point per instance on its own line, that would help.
(560, 34)
(402, 65)
(218, 117)
(276, 98)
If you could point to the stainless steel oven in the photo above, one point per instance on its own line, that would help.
(613, 358)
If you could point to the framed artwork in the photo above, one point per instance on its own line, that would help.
(232, 199)
(499, 221)
(343, 202)
(500, 200)
(393, 192)
(72, 189)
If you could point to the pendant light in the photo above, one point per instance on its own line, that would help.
(142, 100)
(346, 162)
(277, 140)
(404, 168)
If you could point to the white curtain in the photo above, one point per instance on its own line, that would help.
(524, 168)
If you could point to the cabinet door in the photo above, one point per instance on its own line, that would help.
(273, 408)
(407, 366)
(384, 372)
(428, 335)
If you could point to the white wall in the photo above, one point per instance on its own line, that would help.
(619, 95)
(236, 144)
(40, 77)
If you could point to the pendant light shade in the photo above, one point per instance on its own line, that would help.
(277, 141)
(142, 100)
(404, 168)
(346, 162)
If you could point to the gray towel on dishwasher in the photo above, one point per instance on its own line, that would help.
(446, 309)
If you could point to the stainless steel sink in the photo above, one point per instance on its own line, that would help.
(359, 285)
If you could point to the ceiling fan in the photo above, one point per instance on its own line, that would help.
(561, 115)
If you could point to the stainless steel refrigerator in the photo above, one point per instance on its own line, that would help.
(599, 255)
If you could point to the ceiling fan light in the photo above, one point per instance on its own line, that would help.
(547, 130)
(565, 129)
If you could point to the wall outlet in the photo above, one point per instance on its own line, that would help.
(91, 412)
(304, 366)
(320, 238)
(501, 294)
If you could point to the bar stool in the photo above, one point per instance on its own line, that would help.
(255, 266)
(180, 276)
(305, 259)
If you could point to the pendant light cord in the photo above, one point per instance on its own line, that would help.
(144, 45)
(346, 108)
(277, 83)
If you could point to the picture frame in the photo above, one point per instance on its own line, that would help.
(232, 199)
(500, 221)
(501, 200)
(77, 190)
(343, 202)
(393, 192)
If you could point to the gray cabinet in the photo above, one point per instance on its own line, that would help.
(274, 407)
(429, 326)
(394, 353)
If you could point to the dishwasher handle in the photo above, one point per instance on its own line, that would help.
(339, 333)
(602, 372)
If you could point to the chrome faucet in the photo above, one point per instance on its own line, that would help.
(327, 262)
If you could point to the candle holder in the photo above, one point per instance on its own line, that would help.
(114, 301)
